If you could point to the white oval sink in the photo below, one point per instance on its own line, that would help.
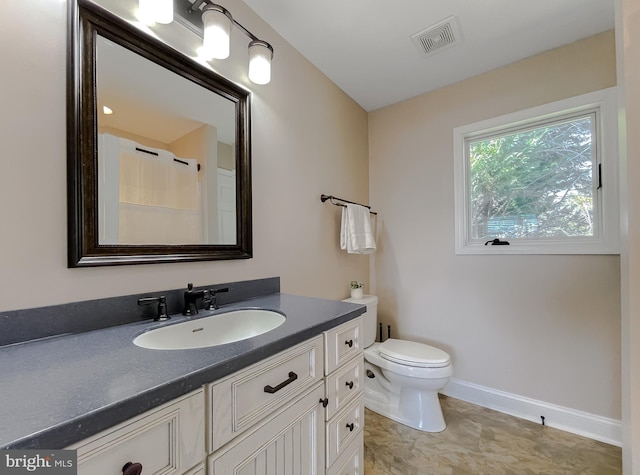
(211, 331)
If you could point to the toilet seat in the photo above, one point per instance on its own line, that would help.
(411, 353)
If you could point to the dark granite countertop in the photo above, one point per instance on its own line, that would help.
(57, 391)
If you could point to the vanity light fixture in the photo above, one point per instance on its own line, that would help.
(216, 30)
(156, 11)
(260, 54)
(217, 24)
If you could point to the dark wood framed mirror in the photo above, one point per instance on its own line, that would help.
(164, 177)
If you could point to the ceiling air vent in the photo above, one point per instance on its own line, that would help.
(437, 37)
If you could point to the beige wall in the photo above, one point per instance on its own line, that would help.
(196, 145)
(628, 48)
(543, 327)
(308, 138)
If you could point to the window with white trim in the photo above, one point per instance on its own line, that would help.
(544, 180)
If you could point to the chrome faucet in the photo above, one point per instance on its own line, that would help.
(190, 300)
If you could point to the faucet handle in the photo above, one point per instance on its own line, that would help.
(211, 297)
(208, 300)
(162, 307)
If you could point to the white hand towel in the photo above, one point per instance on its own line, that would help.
(356, 236)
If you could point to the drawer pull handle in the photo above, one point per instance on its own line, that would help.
(131, 468)
(270, 389)
(350, 427)
(324, 402)
(350, 384)
(349, 342)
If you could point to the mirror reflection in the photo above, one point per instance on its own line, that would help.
(166, 155)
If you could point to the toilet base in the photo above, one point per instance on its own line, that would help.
(435, 423)
(419, 409)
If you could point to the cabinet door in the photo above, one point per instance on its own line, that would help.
(167, 440)
(351, 462)
(290, 443)
(344, 428)
(342, 343)
(239, 402)
(344, 385)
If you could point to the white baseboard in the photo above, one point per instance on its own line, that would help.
(581, 423)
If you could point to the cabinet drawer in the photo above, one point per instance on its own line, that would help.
(292, 443)
(344, 428)
(167, 440)
(351, 461)
(342, 343)
(343, 385)
(241, 400)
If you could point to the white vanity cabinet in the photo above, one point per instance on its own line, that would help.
(268, 418)
(299, 412)
(344, 413)
(240, 401)
(291, 442)
(167, 440)
(311, 424)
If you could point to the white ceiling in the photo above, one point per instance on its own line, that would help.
(364, 46)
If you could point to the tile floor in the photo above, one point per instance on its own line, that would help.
(480, 441)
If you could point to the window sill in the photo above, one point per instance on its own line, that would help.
(538, 248)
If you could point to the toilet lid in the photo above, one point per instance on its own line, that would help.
(411, 353)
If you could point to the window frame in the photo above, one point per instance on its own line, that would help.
(606, 239)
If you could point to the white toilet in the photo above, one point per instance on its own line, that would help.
(403, 377)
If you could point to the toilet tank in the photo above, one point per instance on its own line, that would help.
(370, 317)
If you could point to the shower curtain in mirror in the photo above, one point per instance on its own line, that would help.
(147, 195)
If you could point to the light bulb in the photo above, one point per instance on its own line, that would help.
(217, 28)
(260, 55)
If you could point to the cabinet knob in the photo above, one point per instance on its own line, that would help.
(351, 427)
(324, 402)
(350, 384)
(349, 343)
(131, 468)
